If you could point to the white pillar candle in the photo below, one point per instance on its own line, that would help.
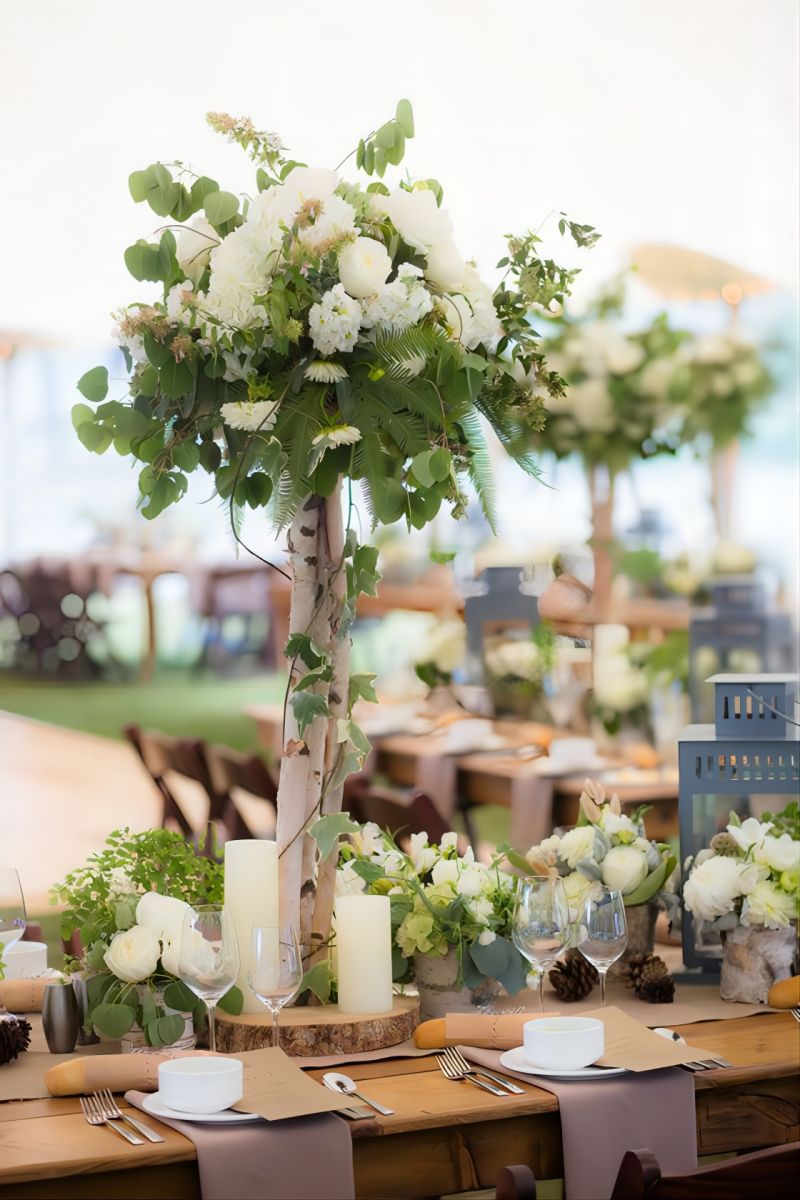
(364, 954)
(251, 898)
(164, 915)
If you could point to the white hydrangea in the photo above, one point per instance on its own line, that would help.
(334, 322)
(401, 303)
(716, 883)
(242, 266)
(120, 882)
(250, 415)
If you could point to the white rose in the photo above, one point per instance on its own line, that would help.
(364, 267)
(713, 886)
(471, 882)
(193, 247)
(418, 219)
(750, 833)
(779, 854)
(445, 266)
(624, 868)
(133, 954)
(770, 906)
(576, 844)
(445, 871)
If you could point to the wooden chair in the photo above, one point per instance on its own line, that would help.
(230, 771)
(774, 1173)
(515, 1183)
(391, 810)
(162, 755)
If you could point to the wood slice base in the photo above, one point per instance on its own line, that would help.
(314, 1032)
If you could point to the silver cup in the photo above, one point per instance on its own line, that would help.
(84, 1038)
(61, 1018)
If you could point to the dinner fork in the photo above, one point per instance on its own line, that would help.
(94, 1116)
(796, 1013)
(451, 1072)
(111, 1111)
(461, 1064)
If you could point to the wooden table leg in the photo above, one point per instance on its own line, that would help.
(149, 662)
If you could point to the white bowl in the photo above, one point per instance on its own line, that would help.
(25, 960)
(563, 1043)
(202, 1084)
(572, 750)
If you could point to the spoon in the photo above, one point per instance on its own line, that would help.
(346, 1085)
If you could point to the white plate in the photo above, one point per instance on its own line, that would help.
(154, 1105)
(515, 1060)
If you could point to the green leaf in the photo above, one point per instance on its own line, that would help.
(210, 456)
(186, 455)
(350, 731)
(97, 985)
(144, 262)
(362, 572)
(370, 872)
(651, 885)
(94, 384)
(259, 489)
(307, 706)
(386, 136)
(317, 675)
(362, 687)
(165, 1030)
(178, 996)
(441, 556)
(439, 464)
(158, 354)
(124, 914)
(300, 645)
(420, 465)
(147, 1008)
(94, 437)
(318, 980)
(502, 961)
(232, 1002)
(220, 207)
(139, 183)
(201, 188)
(404, 115)
(163, 493)
(113, 1020)
(82, 415)
(175, 379)
(327, 830)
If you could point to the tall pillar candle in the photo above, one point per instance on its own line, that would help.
(364, 954)
(251, 898)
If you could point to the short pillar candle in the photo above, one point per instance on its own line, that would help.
(251, 898)
(364, 954)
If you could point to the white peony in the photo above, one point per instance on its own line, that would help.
(446, 871)
(778, 853)
(445, 266)
(576, 844)
(364, 267)
(335, 321)
(193, 247)
(751, 832)
(418, 219)
(133, 954)
(302, 187)
(769, 905)
(332, 223)
(624, 868)
(715, 884)
(250, 415)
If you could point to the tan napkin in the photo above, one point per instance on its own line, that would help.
(630, 1044)
(117, 1072)
(495, 1031)
(23, 995)
(276, 1088)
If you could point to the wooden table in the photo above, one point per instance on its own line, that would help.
(442, 1137)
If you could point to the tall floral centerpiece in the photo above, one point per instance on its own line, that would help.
(316, 334)
(746, 885)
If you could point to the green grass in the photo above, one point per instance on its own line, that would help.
(181, 705)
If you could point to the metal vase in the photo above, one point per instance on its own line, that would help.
(61, 1018)
(79, 986)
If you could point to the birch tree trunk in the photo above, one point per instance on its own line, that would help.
(601, 492)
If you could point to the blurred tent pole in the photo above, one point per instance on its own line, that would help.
(677, 273)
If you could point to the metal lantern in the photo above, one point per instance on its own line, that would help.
(738, 621)
(501, 603)
(747, 762)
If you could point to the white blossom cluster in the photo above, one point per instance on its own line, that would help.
(747, 876)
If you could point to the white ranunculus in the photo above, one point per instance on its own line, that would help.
(769, 905)
(364, 267)
(576, 844)
(418, 219)
(193, 247)
(778, 853)
(714, 886)
(445, 266)
(750, 833)
(133, 954)
(624, 868)
(445, 871)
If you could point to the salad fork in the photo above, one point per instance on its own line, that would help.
(94, 1116)
(452, 1072)
(796, 1013)
(461, 1064)
(112, 1112)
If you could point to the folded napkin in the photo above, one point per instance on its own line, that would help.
(24, 995)
(602, 1118)
(309, 1158)
(496, 1031)
(117, 1072)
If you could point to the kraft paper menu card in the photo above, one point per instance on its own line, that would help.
(276, 1089)
(632, 1045)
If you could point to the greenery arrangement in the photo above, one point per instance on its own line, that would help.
(317, 334)
(749, 874)
(131, 973)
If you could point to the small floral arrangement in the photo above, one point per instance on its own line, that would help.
(130, 964)
(440, 900)
(749, 875)
(607, 848)
(442, 652)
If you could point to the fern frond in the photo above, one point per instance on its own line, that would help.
(405, 353)
(480, 467)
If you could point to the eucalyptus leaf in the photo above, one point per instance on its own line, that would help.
(114, 1020)
(232, 1002)
(94, 384)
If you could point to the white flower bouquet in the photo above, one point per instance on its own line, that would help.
(440, 900)
(749, 875)
(606, 848)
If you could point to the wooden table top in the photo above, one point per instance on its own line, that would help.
(46, 1139)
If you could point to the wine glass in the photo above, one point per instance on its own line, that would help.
(540, 927)
(276, 968)
(209, 957)
(603, 932)
(13, 918)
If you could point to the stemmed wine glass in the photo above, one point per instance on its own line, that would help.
(13, 918)
(209, 957)
(541, 927)
(276, 968)
(603, 932)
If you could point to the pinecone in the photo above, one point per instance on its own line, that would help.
(573, 978)
(637, 964)
(15, 1036)
(656, 985)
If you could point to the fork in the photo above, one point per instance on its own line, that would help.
(795, 1013)
(451, 1072)
(94, 1116)
(700, 1064)
(460, 1063)
(491, 1010)
(111, 1111)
